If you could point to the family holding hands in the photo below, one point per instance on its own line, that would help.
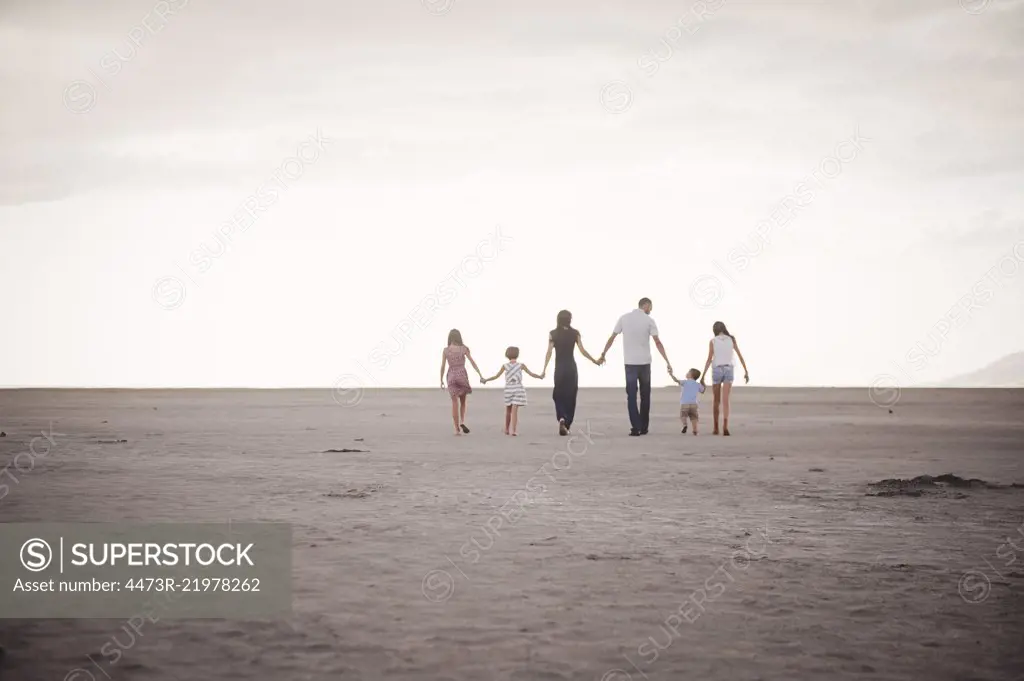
(637, 329)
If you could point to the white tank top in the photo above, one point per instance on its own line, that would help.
(723, 350)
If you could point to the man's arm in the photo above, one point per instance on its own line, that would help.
(607, 347)
(657, 343)
(661, 349)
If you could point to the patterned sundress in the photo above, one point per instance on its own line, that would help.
(515, 393)
(458, 379)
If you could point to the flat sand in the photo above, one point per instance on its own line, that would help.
(411, 563)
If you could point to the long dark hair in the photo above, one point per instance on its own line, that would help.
(454, 337)
(564, 319)
(719, 328)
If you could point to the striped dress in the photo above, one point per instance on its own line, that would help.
(515, 393)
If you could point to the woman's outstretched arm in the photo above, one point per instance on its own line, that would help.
(531, 373)
(746, 374)
(711, 353)
(547, 357)
(583, 351)
(444, 360)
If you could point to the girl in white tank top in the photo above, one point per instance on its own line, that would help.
(720, 356)
(722, 346)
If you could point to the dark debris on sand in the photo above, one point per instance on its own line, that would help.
(355, 492)
(345, 450)
(111, 442)
(935, 485)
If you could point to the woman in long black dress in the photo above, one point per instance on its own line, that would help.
(563, 340)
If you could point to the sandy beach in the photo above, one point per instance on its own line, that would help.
(427, 556)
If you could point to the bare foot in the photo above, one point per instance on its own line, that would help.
(725, 431)
(515, 435)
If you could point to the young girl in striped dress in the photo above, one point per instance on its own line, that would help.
(515, 393)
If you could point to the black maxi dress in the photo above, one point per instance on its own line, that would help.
(566, 375)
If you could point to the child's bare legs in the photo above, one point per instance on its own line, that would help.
(694, 420)
(515, 417)
(717, 389)
(508, 417)
(682, 417)
(455, 414)
(726, 389)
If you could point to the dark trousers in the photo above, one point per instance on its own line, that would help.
(638, 374)
(566, 386)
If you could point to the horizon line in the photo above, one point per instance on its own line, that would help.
(497, 388)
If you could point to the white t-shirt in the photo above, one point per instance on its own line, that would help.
(636, 328)
(723, 346)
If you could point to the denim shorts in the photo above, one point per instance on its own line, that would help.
(721, 374)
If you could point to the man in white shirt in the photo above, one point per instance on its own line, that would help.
(637, 329)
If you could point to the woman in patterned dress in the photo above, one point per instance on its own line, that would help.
(515, 393)
(455, 356)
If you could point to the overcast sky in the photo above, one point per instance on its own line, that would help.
(588, 152)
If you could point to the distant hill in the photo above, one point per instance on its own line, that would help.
(1007, 372)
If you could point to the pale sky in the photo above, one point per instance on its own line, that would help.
(445, 121)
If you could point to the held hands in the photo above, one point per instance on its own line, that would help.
(746, 378)
(600, 360)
